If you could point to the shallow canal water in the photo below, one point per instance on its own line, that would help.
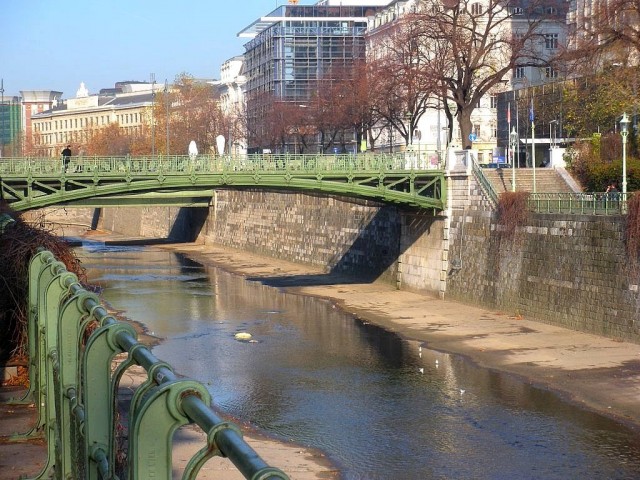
(381, 407)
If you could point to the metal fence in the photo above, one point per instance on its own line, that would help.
(579, 203)
(74, 383)
(181, 164)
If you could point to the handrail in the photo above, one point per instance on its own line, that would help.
(585, 203)
(179, 164)
(485, 184)
(72, 382)
(181, 180)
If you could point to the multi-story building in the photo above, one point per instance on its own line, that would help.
(294, 48)
(549, 38)
(33, 103)
(74, 121)
(230, 89)
(10, 125)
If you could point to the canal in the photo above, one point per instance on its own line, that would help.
(379, 406)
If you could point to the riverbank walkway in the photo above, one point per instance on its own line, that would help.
(596, 373)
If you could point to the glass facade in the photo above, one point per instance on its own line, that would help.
(10, 125)
(290, 58)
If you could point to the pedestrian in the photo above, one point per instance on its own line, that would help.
(66, 157)
(612, 193)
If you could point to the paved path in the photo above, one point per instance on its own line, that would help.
(24, 457)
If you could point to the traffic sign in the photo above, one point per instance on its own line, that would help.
(473, 137)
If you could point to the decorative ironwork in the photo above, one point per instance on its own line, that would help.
(29, 183)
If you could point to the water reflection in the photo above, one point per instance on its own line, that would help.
(382, 407)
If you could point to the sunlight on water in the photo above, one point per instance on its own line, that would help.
(380, 406)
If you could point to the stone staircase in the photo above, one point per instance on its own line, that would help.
(548, 180)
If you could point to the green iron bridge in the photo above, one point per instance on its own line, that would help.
(29, 183)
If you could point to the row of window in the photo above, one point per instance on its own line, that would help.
(80, 136)
(87, 122)
(520, 72)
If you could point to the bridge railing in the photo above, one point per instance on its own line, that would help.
(181, 164)
(74, 380)
(582, 203)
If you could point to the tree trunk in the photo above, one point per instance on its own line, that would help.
(464, 122)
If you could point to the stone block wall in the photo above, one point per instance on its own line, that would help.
(368, 239)
(338, 234)
(566, 270)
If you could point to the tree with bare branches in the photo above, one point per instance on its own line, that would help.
(404, 88)
(471, 48)
(193, 112)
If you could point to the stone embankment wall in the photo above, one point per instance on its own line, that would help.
(568, 270)
(565, 270)
(361, 238)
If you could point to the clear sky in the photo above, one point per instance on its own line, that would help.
(56, 44)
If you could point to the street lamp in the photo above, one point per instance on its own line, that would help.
(513, 143)
(624, 131)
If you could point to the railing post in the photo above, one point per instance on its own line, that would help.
(97, 386)
(152, 426)
(72, 322)
(50, 291)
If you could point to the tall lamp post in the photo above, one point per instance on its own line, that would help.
(624, 131)
(153, 120)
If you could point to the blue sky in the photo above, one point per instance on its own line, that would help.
(56, 44)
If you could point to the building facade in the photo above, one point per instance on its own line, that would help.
(10, 126)
(74, 121)
(293, 50)
(230, 90)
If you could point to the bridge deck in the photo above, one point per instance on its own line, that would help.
(28, 183)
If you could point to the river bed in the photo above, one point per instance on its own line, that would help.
(380, 406)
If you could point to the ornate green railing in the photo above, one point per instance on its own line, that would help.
(74, 383)
(28, 183)
(579, 203)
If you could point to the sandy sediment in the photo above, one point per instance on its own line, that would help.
(593, 372)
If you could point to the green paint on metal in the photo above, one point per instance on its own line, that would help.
(176, 180)
(76, 390)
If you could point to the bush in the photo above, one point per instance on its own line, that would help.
(512, 211)
(596, 172)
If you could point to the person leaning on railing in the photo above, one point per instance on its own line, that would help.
(612, 193)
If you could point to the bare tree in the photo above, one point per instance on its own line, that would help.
(404, 88)
(192, 111)
(471, 47)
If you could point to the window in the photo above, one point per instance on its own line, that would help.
(551, 41)
(476, 9)
(518, 11)
(494, 101)
(476, 130)
(518, 72)
(550, 72)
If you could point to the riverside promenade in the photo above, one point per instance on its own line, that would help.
(593, 372)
